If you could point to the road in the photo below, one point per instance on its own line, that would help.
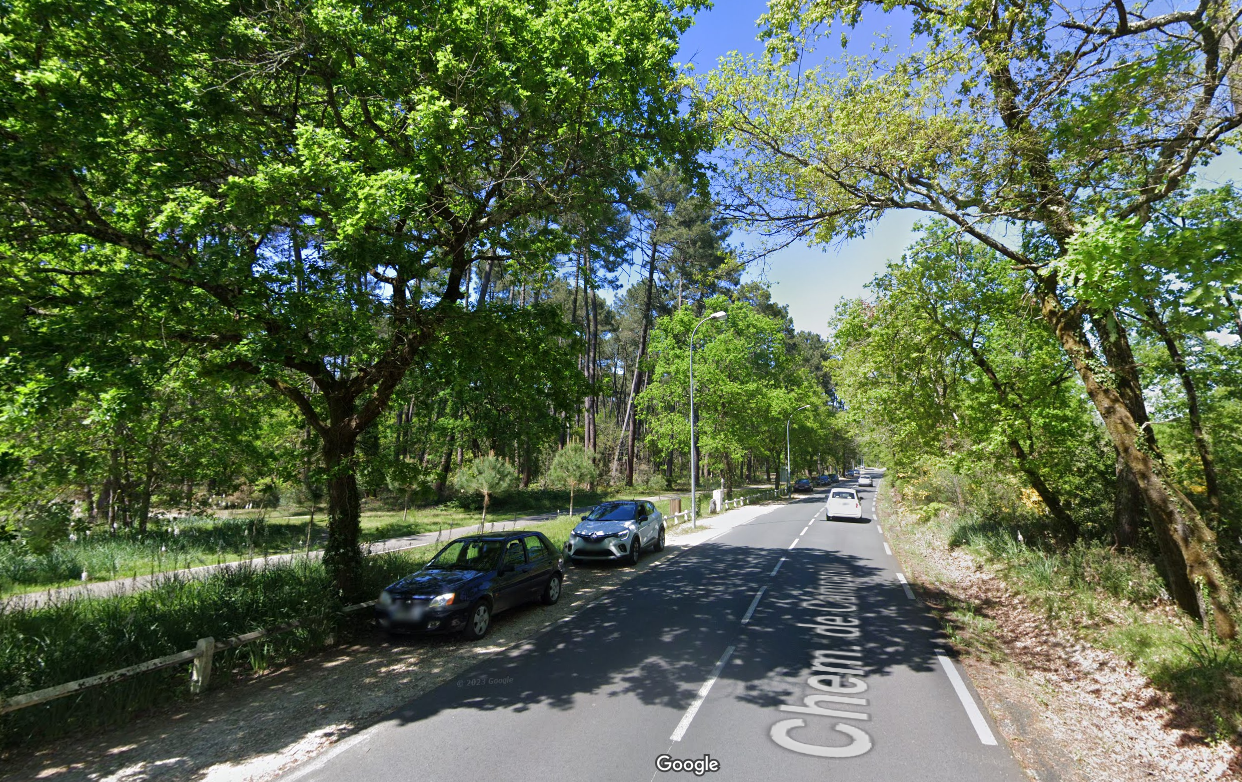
(786, 648)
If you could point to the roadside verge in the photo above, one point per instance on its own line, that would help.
(1070, 710)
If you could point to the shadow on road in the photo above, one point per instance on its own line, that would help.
(656, 638)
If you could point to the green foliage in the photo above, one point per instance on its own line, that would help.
(950, 367)
(572, 468)
(748, 381)
(298, 194)
(486, 475)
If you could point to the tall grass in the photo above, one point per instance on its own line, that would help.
(77, 638)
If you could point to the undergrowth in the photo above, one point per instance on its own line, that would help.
(1113, 599)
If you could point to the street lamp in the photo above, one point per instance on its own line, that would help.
(694, 488)
(788, 465)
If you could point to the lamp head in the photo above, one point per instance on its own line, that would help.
(721, 315)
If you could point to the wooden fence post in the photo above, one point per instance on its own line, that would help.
(201, 676)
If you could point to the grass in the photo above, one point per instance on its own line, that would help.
(1114, 600)
(77, 638)
(190, 542)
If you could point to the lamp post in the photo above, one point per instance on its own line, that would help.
(788, 465)
(694, 464)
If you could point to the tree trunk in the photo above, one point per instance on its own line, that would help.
(485, 282)
(144, 496)
(592, 357)
(1192, 409)
(630, 412)
(1186, 543)
(1128, 508)
(1067, 527)
(342, 557)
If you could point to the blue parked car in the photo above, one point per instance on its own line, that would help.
(470, 580)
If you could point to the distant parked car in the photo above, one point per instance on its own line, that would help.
(864, 480)
(844, 504)
(803, 484)
(470, 580)
(617, 530)
(833, 478)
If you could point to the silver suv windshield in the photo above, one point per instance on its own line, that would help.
(613, 511)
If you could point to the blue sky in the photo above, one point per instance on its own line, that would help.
(811, 280)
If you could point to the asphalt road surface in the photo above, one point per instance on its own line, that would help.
(788, 648)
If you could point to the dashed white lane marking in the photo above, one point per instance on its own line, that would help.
(791, 545)
(963, 695)
(753, 605)
(905, 585)
(887, 550)
(686, 719)
(778, 567)
(804, 529)
(877, 529)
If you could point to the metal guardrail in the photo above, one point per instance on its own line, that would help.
(200, 658)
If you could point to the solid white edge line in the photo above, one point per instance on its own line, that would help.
(753, 605)
(686, 719)
(963, 695)
(887, 550)
(791, 545)
(778, 567)
(905, 585)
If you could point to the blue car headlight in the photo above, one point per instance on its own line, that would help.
(385, 599)
(442, 601)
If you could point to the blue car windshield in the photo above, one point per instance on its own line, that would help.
(613, 511)
(469, 554)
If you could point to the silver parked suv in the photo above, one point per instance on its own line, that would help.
(617, 530)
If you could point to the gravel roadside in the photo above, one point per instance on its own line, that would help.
(1072, 712)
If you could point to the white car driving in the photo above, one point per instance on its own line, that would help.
(864, 480)
(844, 504)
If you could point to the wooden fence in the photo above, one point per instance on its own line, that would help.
(199, 657)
